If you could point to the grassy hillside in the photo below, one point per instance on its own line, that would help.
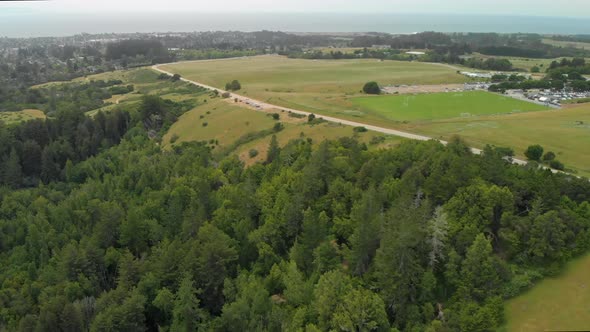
(241, 129)
(24, 115)
(555, 304)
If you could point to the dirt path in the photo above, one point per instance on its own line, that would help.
(263, 106)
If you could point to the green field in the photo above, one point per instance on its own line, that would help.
(311, 85)
(331, 87)
(555, 304)
(437, 106)
(565, 132)
(563, 43)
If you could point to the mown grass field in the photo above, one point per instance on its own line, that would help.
(24, 115)
(427, 107)
(566, 132)
(562, 43)
(555, 304)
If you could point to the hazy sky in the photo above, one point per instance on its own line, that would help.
(579, 8)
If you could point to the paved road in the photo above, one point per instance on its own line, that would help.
(263, 106)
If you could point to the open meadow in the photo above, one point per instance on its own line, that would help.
(554, 304)
(331, 87)
(311, 85)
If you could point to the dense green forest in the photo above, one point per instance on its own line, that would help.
(323, 236)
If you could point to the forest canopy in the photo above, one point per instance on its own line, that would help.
(323, 236)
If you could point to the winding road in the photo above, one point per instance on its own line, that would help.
(264, 106)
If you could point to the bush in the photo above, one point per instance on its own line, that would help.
(360, 129)
(173, 138)
(310, 117)
(278, 127)
(377, 140)
(276, 116)
(556, 164)
(372, 88)
(233, 86)
(535, 69)
(205, 124)
(296, 115)
(253, 153)
(175, 78)
(534, 152)
(225, 95)
(549, 156)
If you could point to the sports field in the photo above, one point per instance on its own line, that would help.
(427, 107)
(555, 304)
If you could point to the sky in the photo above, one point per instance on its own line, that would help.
(574, 8)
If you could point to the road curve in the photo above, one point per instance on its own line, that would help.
(267, 106)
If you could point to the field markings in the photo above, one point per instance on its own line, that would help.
(264, 106)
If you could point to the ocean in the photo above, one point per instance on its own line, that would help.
(37, 25)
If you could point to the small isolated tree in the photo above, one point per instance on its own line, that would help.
(175, 78)
(535, 69)
(549, 156)
(310, 117)
(534, 152)
(276, 116)
(225, 95)
(372, 88)
(253, 153)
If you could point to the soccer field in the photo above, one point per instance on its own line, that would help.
(437, 106)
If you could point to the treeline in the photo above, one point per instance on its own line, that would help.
(187, 55)
(321, 237)
(153, 49)
(452, 45)
(489, 64)
(81, 97)
(574, 38)
(45, 150)
(527, 85)
(40, 150)
(565, 73)
(566, 66)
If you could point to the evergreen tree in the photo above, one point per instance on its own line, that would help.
(13, 175)
(186, 313)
